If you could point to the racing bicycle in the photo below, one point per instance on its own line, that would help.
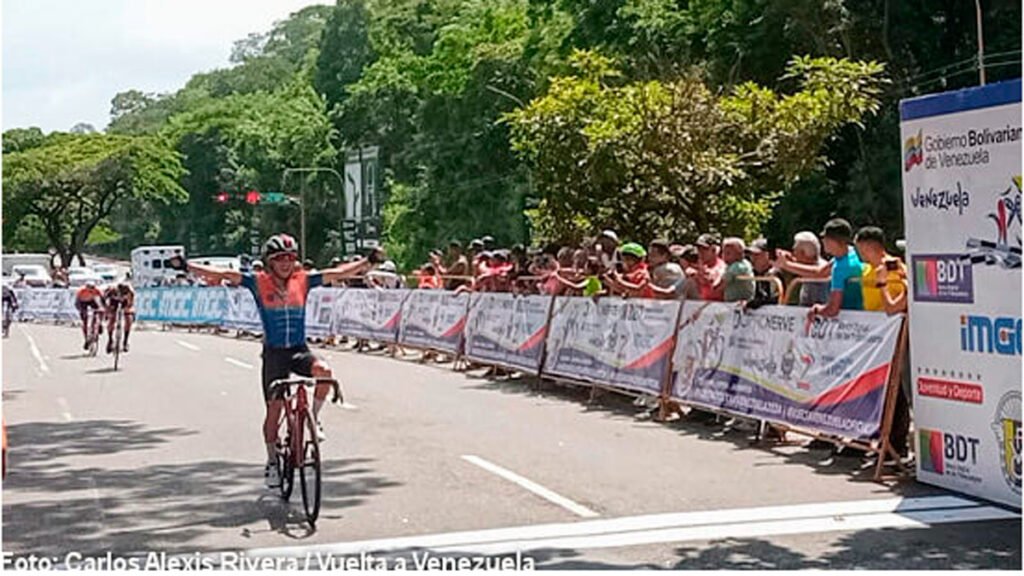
(298, 446)
(94, 328)
(118, 333)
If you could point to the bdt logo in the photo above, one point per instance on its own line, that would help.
(939, 448)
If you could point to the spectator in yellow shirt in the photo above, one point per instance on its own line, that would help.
(884, 277)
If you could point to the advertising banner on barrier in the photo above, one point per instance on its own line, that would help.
(507, 329)
(434, 319)
(370, 314)
(46, 304)
(624, 343)
(242, 312)
(320, 310)
(962, 207)
(182, 305)
(766, 364)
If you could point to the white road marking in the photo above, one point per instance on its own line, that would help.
(238, 363)
(679, 527)
(65, 409)
(35, 351)
(187, 345)
(349, 406)
(532, 486)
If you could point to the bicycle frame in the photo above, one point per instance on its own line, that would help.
(296, 406)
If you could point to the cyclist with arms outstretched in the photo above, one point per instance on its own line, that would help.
(280, 291)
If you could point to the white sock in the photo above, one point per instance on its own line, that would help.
(317, 405)
(271, 453)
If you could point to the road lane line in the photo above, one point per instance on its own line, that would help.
(532, 486)
(678, 527)
(238, 363)
(65, 409)
(184, 344)
(35, 351)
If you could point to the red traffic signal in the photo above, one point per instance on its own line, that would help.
(252, 197)
(222, 198)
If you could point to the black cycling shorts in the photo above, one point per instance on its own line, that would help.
(84, 305)
(281, 363)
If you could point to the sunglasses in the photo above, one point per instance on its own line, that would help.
(284, 257)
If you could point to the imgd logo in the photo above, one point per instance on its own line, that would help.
(913, 152)
(939, 449)
(1006, 427)
(990, 335)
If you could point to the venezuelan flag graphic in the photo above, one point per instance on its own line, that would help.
(913, 152)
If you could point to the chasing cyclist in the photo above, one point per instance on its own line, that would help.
(10, 307)
(280, 291)
(88, 297)
(120, 295)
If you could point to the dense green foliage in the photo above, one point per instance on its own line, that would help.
(531, 120)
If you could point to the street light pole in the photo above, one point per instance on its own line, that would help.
(302, 220)
(981, 43)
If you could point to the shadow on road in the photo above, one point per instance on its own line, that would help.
(70, 505)
(985, 546)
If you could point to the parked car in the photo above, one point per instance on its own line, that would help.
(109, 272)
(78, 276)
(35, 275)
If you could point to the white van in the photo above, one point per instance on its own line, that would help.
(225, 262)
(156, 265)
(12, 260)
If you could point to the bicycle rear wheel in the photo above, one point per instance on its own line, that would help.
(94, 338)
(309, 472)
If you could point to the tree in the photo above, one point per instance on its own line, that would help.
(83, 128)
(344, 51)
(22, 139)
(672, 158)
(74, 182)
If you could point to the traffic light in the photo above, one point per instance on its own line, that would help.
(222, 198)
(252, 197)
(274, 198)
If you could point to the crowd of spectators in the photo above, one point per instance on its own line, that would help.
(836, 269)
(712, 268)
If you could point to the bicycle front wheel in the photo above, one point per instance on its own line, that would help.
(285, 467)
(117, 338)
(309, 473)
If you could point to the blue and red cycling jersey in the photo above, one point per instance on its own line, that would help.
(283, 312)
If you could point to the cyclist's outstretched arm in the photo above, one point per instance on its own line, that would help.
(214, 276)
(345, 271)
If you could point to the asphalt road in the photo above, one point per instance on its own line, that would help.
(166, 455)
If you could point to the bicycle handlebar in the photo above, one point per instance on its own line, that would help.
(305, 381)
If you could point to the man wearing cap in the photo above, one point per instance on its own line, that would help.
(637, 279)
(845, 285)
(710, 268)
(765, 291)
(385, 277)
(606, 246)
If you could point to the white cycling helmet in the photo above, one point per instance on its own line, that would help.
(279, 244)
